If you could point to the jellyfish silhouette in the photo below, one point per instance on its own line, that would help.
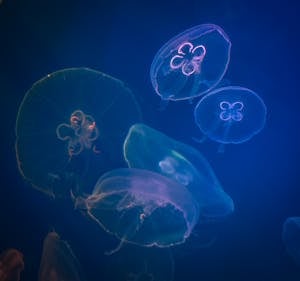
(70, 129)
(230, 114)
(191, 63)
(291, 237)
(11, 265)
(58, 261)
(147, 148)
(141, 207)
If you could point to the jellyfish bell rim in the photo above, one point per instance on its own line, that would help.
(208, 27)
(229, 88)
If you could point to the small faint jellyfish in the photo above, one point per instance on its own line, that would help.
(230, 114)
(80, 133)
(11, 265)
(58, 261)
(191, 63)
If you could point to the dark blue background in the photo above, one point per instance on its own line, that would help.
(121, 39)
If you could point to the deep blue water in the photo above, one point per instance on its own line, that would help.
(121, 39)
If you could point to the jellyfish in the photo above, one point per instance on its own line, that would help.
(70, 129)
(291, 237)
(191, 63)
(11, 265)
(147, 148)
(58, 261)
(141, 207)
(230, 114)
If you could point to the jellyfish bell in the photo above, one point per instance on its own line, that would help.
(11, 265)
(70, 129)
(191, 63)
(147, 148)
(58, 261)
(230, 114)
(141, 207)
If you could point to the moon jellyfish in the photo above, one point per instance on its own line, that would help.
(70, 129)
(146, 148)
(58, 261)
(291, 237)
(11, 265)
(230, 114)
(141, 207)
(191, 63)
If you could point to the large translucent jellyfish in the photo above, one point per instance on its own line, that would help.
(58, 261)
(141, 207)
(191, 63)
(70, 129)
(146, 148)
(291, 237)
(11, 265)
(230, 114)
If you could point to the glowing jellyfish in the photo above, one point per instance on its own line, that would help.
(230, 114)
(191, 63)
(146, 148)
(291, 237)
(58, 261)
(11, 265)
(141, 207)
(70, 129)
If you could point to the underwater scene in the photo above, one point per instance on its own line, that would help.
(149, 141)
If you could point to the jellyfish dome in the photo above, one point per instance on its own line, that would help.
(70, 129)
(191, 63)
(230, 114)
(141, 207)
(291, 237)
(58, 262)
(147, 148)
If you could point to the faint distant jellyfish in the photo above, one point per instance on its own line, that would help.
(142, 207)
(191, 63)
(11, 265)
(70, 129)
(291, 237)
(230, 114)
(146, 148)
(58, 261)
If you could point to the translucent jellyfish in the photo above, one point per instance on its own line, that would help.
(146, 148)
(141, 207)
(11, 265)
(230, 114)
(291, 237)
(70, 129)
(191, 63)
(58, 261)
